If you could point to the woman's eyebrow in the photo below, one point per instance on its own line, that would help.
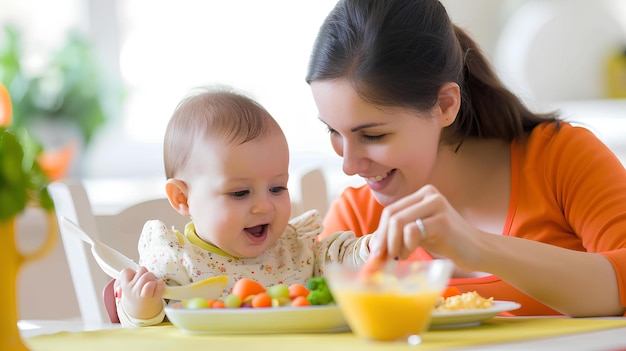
(364, 126)
(359, 127)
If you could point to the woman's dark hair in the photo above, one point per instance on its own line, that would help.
(401, 52)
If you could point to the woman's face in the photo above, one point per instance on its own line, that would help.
(393, 149)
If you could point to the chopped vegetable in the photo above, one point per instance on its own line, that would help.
(232, 301)
(320, 292)
(300, 301)
(218, 304)
(278, 291)
(245, 287)
(261, 300)
(296, 290)
(250, 293)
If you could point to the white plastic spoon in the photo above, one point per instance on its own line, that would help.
(112, 262)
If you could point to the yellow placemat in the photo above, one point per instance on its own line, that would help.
(168, 337)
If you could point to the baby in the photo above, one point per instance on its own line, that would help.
(227, 161)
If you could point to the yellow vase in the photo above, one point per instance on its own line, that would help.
(10, 261)
(616, 74)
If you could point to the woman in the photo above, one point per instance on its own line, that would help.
(530, 208)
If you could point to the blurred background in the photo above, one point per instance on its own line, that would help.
(97, 80)
(137, 58)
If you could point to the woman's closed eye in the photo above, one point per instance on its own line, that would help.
(331, 131)
(372, 138)
(366, 137)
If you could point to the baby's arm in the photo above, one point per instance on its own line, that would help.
(344, 247)
(141, 301)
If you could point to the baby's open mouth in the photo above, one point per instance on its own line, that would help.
(257, 231)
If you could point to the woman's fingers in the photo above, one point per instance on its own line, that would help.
(408, 201)
(412, 238)
(403, 225)
(407, 228)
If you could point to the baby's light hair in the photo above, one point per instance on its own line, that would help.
(213, 112)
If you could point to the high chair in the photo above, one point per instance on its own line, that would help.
(120, 231)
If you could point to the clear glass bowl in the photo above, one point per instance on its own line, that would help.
(394, 303)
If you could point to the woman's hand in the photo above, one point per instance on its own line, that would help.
(142, 292)
(444, 232)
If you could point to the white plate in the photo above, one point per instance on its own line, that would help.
(258, 320)
(462, 318)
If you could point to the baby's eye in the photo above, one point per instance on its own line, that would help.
(239, 194)
(278, 189)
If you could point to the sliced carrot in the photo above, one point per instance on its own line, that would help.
(296, 290)
(372, 265)
(300, 301)
(218, 304)
(261, 300)
(245, 287)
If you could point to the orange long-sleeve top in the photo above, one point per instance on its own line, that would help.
(567, 189)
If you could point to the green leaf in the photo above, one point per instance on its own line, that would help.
(11, 158)
(71, 86)
(22, 181)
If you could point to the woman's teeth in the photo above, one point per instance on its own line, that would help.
(378, 178)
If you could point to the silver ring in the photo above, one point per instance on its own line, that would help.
(420, 226)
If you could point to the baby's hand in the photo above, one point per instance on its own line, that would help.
(141, 292)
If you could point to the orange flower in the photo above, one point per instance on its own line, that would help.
(56, 163)
(6, 108)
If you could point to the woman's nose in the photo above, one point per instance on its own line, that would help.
(353, 160)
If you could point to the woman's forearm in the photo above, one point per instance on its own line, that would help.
(578, 284)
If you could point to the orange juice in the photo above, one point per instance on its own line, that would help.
(386, 315)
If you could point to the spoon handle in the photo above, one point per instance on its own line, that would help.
(74, 228)
(109, 259)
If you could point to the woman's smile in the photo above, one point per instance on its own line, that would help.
(378, 178)
(380, 181)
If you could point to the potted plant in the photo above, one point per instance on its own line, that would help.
(65, 97)
(22, 183)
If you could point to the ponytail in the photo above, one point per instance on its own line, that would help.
(488, 108)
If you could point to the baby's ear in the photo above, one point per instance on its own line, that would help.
(176, 191)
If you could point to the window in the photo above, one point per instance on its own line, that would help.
(167, 48)
(164, 49)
